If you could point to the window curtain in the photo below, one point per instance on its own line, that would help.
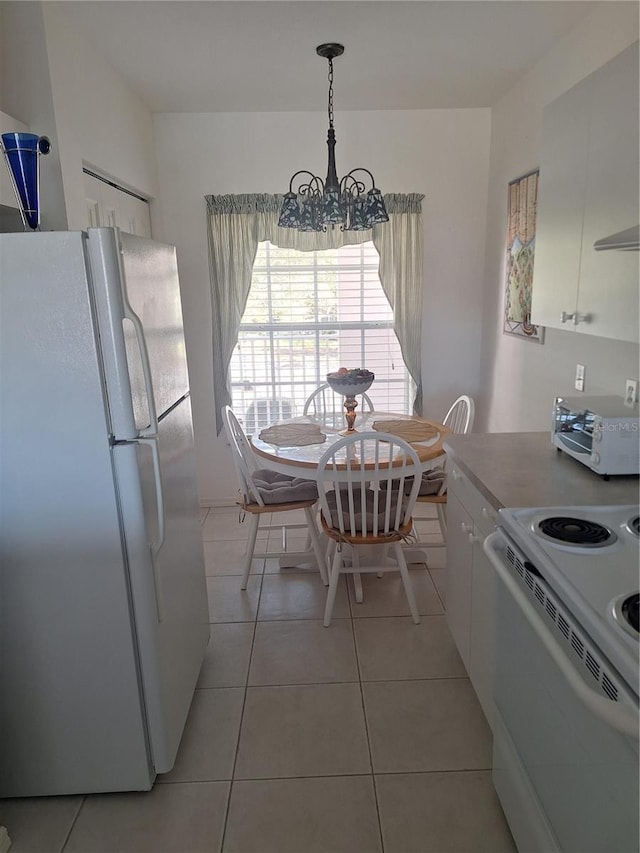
(237, 223)
(399, 244)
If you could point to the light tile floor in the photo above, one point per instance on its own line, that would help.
(358, 738)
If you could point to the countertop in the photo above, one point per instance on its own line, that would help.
(514, 469)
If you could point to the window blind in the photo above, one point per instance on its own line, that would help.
(309, 313)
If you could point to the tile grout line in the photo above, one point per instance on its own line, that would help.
(359, 681)
(407, 772)
(366, 728)
(73, 823)
(244, 702)
(343, 681)
(435, 586)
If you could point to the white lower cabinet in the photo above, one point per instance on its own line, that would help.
(481, 631)
(470, 578)
(459, 562)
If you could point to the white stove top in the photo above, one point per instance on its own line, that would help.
(589, 579)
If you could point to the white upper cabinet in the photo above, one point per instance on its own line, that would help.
(608, 285)
(588, 190)
(561, 199)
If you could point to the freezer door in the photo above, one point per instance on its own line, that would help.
(140, 316)
(166, 566)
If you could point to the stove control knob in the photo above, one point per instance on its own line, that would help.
(597, 431)
(595, 458)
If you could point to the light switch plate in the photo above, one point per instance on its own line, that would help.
(631, 391)
(579, 383)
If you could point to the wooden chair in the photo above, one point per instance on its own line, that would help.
(367, 505)
(325, 401)
(433, 489)
(461, 415)
(262, 412)
(264, 492)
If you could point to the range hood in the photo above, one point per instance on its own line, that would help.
(629, 239)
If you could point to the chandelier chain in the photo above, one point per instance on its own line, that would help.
(330, 92)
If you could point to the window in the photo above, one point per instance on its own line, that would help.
(309, 313)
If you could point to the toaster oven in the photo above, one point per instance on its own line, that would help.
(601, 432)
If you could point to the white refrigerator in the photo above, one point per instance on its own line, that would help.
(103, 603)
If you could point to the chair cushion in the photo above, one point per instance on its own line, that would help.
(276, 488)
(332, 500)
(430, 484)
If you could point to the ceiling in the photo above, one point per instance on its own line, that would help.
(248, 56)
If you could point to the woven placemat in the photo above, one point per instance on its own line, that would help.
(410, 431)
(293, 435)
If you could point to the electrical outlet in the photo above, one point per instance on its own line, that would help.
(579, 383)
(631, 391)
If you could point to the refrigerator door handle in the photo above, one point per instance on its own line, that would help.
(152, 443)
(152, 430)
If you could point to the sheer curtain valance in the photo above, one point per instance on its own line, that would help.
(237, 223)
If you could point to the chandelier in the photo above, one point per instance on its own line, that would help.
(315, 203)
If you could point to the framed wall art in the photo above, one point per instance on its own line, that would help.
(521, 242)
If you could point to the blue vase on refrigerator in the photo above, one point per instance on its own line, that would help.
(104, 609)
(22, 153)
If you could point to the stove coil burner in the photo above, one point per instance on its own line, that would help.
(630, 608)
(626, 613)
(576, 531)
(633, 526)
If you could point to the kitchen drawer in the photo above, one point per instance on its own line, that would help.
(483, 513)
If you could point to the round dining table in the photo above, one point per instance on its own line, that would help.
(273, 445)
(301, 460)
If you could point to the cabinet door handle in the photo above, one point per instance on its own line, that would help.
(577, 318)
(473, 538)
(456, 474)
(467, 528)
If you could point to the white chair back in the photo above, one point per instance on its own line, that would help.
(246, 465)
(243, 458)
(367, 499)
(324, 401)
(460, 416)
(264, 411)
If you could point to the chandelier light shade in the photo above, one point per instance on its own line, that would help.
(312, 204)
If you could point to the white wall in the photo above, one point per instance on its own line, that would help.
(26, 95)
(100, 121)
(441, 153)
(55, 82)
(519, 378)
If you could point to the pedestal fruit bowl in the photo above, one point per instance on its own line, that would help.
(350, 383)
